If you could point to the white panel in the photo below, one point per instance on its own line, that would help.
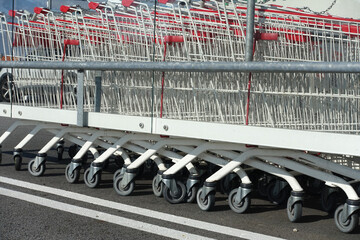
(45, 114)
(271, 137)
(5, 110)
(119, 122)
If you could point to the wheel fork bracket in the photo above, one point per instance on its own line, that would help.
(158, 180)
(127, 179)
(18, 152)
(241, 194)
(349, 209)
(73, 166)
(190, 183)
(93, 171)
(39, 160)
(206, 190)
(293, 200)
(171, 184)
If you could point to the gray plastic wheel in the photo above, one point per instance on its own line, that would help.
(350, 224)
(74, 176)
(94, 182)
(17, 162)
(207, 203)
(157, 187)
(294, 212)
(241, 207)
(179, 197)
(191, 194)
(126, 191)
(116, 174)
(36, 171)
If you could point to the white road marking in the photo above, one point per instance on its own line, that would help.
(86, 212)
(142, 211)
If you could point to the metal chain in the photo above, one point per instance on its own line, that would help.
(322, 12)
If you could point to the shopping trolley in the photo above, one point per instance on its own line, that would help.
(284, 124)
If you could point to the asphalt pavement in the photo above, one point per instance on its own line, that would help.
(48, 207)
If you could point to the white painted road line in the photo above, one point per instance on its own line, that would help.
(86, 212)
(142, 211)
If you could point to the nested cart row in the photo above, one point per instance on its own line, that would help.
(201, 129)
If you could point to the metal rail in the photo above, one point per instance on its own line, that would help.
(274, 67)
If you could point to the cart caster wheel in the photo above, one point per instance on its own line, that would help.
(205, 204)
(350, 224)
(157, 187)
(73, 149)
(106, 164)
(191, 194)
(36, 171)
(277, 198)
(241, 207)
(119, 161)
(94, 182)
(294, 212)
(116, 174)
(17, 162)
(84, 159)
(230, 182)
(60, 151)
(179, 197)
(329, 202)
(123, 191)
(74, 176)
(262, 186)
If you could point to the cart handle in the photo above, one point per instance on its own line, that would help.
(94, 5)
(39, 10)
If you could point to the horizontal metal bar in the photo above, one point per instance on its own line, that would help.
(299, 67)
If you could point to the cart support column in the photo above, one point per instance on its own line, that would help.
(80, 98)
(97, 91)
(250, 30)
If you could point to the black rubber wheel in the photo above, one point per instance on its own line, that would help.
(243, 206)
(329, 202)
(106, 164)
(350, 224)
(205, 204)
(277, 198)
(179, 197)
(17, 162)
(60, 151)
(313, 186)
(294, 212)
(157, 187)
(4, 88)
(191, 194)
(95, 181)
(84, 159)
(37, 172)
(119, 161)
(262, 186)
(74, 176)
(228, 183)
(73, 149)
(126, 191)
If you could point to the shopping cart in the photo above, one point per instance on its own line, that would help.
(287, 125)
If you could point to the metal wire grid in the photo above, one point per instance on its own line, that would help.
(322, 102)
